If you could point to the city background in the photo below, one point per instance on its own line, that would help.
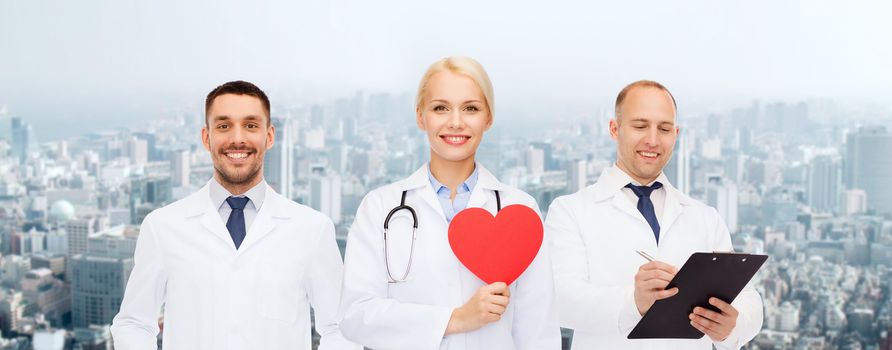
(785, 113)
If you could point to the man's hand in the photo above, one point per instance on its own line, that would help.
(717, 326)
(485, 306)
(650, 284)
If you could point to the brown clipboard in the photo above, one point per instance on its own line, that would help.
(704, 275)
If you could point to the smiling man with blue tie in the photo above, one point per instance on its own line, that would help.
(603, 286)
(235, 265)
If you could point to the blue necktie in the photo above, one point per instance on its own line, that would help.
(236, 222)
(646, 207)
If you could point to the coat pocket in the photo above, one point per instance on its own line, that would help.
(280, 289)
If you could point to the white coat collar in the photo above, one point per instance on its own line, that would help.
(485, 179)
(199, 202)
(609, 187)
(275, 206)
(486, 182)
(612, 181)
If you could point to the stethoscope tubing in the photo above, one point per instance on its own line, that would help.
(403, 206)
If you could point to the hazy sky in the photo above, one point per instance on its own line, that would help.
(107, 63)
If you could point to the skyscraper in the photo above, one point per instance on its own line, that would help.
(23, 141)
(869, 166)
(325, 195)
(678, 170)
(824, 175)
(548, 154)
(277, 163)
(577, 175)
(148, 193)
(181, 168)
(535, 161)
(97, 287)
(99, 276)
(138, 150)
(722, 194)
(78, 231)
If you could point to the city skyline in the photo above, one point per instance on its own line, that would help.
(791, 180)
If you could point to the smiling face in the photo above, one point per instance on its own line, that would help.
(237, 136)
(454, 114)
(645, 133)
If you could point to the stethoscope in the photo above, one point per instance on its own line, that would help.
(403, 206)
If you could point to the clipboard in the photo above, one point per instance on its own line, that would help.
(704, 275)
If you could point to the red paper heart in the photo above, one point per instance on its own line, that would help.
(496, 249)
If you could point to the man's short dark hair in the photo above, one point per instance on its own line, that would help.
(639, 84)
(237, 87)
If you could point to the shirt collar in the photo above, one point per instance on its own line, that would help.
(219, 194)
(466, 186)
(617, 178)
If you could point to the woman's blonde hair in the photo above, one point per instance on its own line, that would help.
(466, 66)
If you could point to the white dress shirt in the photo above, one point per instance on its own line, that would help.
(657, 197)
(255, 195)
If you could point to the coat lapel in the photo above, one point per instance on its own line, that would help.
(200, 207)
(419, 180)
(624, 205)
(607, 188)
(480, 196)
(273, 209)
(672, 209)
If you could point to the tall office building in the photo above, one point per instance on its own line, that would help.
(824, 180)
(535, 161)
(99, 276)
(151, 145)
(678, 170)
(97, 288)
(722, 194)
(325, 195)
(181, 167)
(869, 166)
(577, 175)
(147, 194)
(548, 154)
(23, 141)
(853, 202)
(12, 309)
(138, 150)
(277, 163)
(78, 231)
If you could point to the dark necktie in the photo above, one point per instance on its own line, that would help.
(236, 222)
(646, 206)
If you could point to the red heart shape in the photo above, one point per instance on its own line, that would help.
(496, 249)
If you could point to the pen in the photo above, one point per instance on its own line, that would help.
(645, 255)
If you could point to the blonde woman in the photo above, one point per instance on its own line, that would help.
(408, 290)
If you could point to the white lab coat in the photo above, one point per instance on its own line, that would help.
(594, 234)
(216, 297)
(414, 314)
